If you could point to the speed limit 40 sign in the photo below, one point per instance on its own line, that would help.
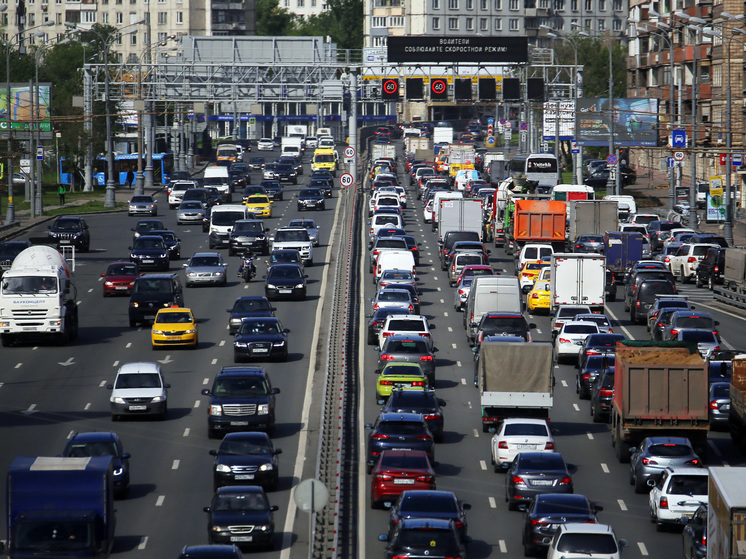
(346, 180)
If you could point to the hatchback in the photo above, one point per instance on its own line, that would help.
(392, 298)
(397, 470)
(378, 319)
(566, 313)
(408, 376)
(597, 344)
(655, 454)
(682, 319)
(589, 243)
(413, 325)
(516, 435)
(571, 337)
(586, 541)
(119, 278)
(424, 537)
(101, 443)
(602, 394)
(706, 341)
(139, 389)
(677, 493)
(587, 375)
(535, 473)
(548, 511)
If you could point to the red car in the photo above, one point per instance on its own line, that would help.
(119, 278)
(398, 471)
(475, 270)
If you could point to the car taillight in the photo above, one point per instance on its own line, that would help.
(387, 383)
(674, 331)
(663, 504)
(426, 479)
(649, 462)
(418, 383)
(691, 259)
(386, 357)
(549, 446)
(692, 462)
(565, 341)
(667, 259)
(375, 307)
(431, 417)
(556, 324)
(716, 269)
(714, 405)
(411, 308)
(384, 477)
(375, 253)
(458, 523)
(424, 334)
(704, 539)
(605, 392)
(461, 292)
(586, 377)
(534, 295)
(565, 481)
(518, 480)
(715, 333)
(423, 437)
(502, 444)
(592, 352)
(637, 304)
(535, 522)
(426, 358)
(379, 437)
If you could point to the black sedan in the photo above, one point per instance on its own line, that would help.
(101, 443)
(286, 173)
(173, 243)
(599, 179)
(602, 394)
(246, 458)
(149, 251)
(419, 401)
(594, 366)
(548, 511)
(241, 515)
(260, 338)
(324, 184)
(398, 431)
(248, 307)
(533, 473)
(273, 189)
(430, 504)
(597, 344)
(285, 281)
(311, 199)
(69, 230)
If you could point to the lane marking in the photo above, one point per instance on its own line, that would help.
(115, 364)
(32, 407)
(463, 381)
(205, 381)
(575, 407)
(468, 404)
(129, 345)
(483, 464)
(450, 329)
(476, 433)
(143, 543)
(538, 330)
(196, 403)
(439, 287)
(102, 384)
(458, 363)
(18, 365)
(604, 467)
(643, 549)
(175, 464)
(445, 313)
(493, 504)
(503, 547)
(87, 406)
(622, 504)
(90, 290)
(590, 436)
(454, 346)
(222, 343)
(186, 432)
(159, 500)
(564, 383)
(214, 361)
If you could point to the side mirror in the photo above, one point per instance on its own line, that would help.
(109, 386)
(622, 543)
(103, 275)
(126, 456)
(185, 265)
(206, 392)
(442, 403)
(466, 506)
(129, 248)
(274, 508)
(167, 385)
(532, 326)
(383, 537)
(286, 330)
(275, 391)
(206, 509)
(368, 426)
(277, 451)
(213, 452)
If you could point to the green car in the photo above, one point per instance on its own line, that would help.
(409, 376)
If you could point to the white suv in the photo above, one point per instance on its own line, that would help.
(589, 541)
(177, 192)
(677, 492)
(412, 325)
(139, 389)
(684, 262)
(294, 238)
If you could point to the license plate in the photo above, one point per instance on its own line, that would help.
(120, 287)
(525, 446)
(403, 482)
(29, 328)
(239, 422)
(138, 408)
(285, 290)
(542, 482)
(242, 538)
(245, 476)
(148, 261)
(259, 350)
(65, 242)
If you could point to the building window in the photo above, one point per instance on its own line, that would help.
(378, 22)
(133, 39)
(72, 16)
(436, 23)
(453, 4)
(498, 24)
(32, 19)
(513, 24)
(470, 24)
(601, 5)
(601, 25)
(469, 4)
(513, 5)
(498, 5)
(105, 18)
(617, 5)
(133, 18)
(616, 25)
(57, 19)
(313, 3)
(483, 25)
(379, 41)
(483, 4)
(162, 18)
(396, 21)
(574, 5)
(119, 18)
(436, 4)
(453, 24)
(559, 5)
(588, 5)
(89, 16)
(179, 17)
(287, 3)
(301, 4)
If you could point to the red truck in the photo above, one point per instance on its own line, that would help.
(660, 389)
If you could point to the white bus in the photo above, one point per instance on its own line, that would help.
(537, 168)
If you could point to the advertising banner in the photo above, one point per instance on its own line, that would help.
(566, 120)
(635, 122)
(21, 117)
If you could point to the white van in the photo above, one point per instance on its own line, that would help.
(491, 294)
(222, 219)
(217, 176)
(625, 202)
(533, 251)
(436, 204)
(394, 260)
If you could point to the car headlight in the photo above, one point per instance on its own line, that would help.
(118, 471)
(118, 400)
(167, 304)
(220, 528)
(108, 283)
(262, 409)
(271, 286)
(266, 468)
(240, 344)
(300, 286)
(158, 332)
(279, 344)
(191, 274)
(216, 409)
(263, 527)
(235, 321)
(191, 331)
(218, 274)
(223, 468)
(135, 304)
(158, 399)
(164, 255)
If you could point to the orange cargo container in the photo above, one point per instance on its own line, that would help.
(539, 221)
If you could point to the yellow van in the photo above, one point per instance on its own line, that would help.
(324, 159)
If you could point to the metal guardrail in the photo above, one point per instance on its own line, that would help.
(729, 297)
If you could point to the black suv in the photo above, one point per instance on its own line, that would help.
(241, 399)
(419, 401)
(152, 292)
(711, 268)
(68, 230)
(248, 235)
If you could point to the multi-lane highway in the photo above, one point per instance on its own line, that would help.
(47, 392)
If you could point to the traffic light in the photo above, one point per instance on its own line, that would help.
(413, 89)
(487, 89)
(390, 89)
(511, 89)
(535, 88)
(462, 89)
(438, 89)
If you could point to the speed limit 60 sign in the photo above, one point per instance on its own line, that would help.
(349, 152)
(346, 180)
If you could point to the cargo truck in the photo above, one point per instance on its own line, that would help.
(660, 389)
(622, 251)
(442, 134)
(460, 214)
(60, 507)
(737, 413)
(461, 157)
(383, 151)
(38, 298)
(591, 217)
(536, 221)
(411, 145)
(734, 276)
(577, 279)
(515, 379)
(726, 513)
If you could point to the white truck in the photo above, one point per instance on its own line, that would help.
(577, 279)
(383, 151)
(291, 145)
(460, 214)
(726, 513)
(591, 217)
(38, 298)
(515, 379)
(442, 134)
(299, 131)
(411, 145)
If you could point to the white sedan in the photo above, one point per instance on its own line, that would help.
(265, 144)
(520, 435)
(571, 336)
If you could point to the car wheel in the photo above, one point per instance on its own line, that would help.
(711, 283)
(640, 485)
(528, 550)
(162, 417)
(698, 282)
(372, 339)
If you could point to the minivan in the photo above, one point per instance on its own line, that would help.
(394, 260)
(645, 295)
(139, 389)
(491, 294)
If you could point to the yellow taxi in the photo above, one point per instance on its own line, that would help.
(174, 326)
(530, 273)
(260, 205)
(538, 298)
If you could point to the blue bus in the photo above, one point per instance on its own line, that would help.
(163, 165)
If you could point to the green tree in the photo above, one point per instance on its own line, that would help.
(342, 21)
(593, 55)
(271, 20)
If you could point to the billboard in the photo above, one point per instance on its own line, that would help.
(20, 107)
(566, 120)
(635, 122)
(462, 49)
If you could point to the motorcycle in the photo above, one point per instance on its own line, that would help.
(247, 270)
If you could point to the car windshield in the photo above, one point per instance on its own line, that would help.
(401, 370)
(238, 503)
(257, 199)
(393, 295)
(208, 261)
(149, 243)
(416, 501)
(299, 235)
(152, 286)
(407, 325)
(541, 461)
(234, 446)
(284, 272)
(580, 329)
(251, 305)
(702, 336)
(174, 318)
(122, 270)
(8, 251)
(504, 324)
(388, 242)
(190, 205)
(561, 507)
(396, 275)
(526, 429)
(259, 327)
(720, 391)
(30, 285)
(694, 322)
(406, 346)
(248, 227)
(138, 380)
(240, 387)
(688, 485)
(669, 450)
(98, 448)
(569, 312)
(467, 259)
(285, 257)
(305, 223)
(587, 543)
(68, 225)
(141, 199)
(407, 460)
(599, 361)
(226, 218)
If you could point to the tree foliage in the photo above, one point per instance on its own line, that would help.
(593, 55)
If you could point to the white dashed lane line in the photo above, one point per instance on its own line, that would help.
(493, 503)
(564, 383)
(643, 549)
(187, 431)
(159, 500)
(175, 464)
(604, 468)
(143, 543)
(622, 505)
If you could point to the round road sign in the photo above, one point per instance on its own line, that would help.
(678, 155)
(508, 124)
(611, 159)
(438, 86)
(346, 179)
(311, 495)
(349, 152)
(490, 120)
(391, 87)
(524, 125)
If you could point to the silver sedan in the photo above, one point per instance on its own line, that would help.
(206, 268)
(142, 205)
(191, 211)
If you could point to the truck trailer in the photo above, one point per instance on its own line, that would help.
(577, 279)
(726, 513)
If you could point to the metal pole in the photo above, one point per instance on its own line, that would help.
(88, 125)
(693, 191)
(353, 125)
(10, 216)
(671, 108)
(37, 121)
(611, 183)
(728, 225)
(139, 177)
(557, 141)
(32, 153)
(578, 156)
(110, 199)
(150, 138)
